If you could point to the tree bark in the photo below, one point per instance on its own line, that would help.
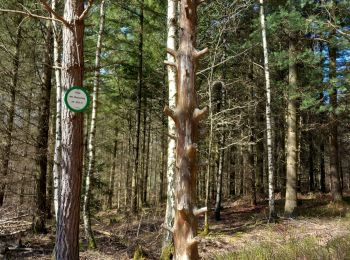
(43, 136)
(322, 169)
(336, 190)
(138, 114)
(67, 234)
(170, 173)
(58, 134)
(270, 163)
(112, 174)
(292, 142)
(89, 236)
(186, 116)
(11, 112)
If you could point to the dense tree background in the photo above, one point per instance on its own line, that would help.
(309, 41)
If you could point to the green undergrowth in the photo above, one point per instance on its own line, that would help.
(307, 248)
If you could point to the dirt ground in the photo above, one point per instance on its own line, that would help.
(242, 226)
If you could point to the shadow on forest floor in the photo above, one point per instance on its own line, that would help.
(241, 228)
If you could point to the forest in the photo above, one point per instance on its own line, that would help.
(174, 129)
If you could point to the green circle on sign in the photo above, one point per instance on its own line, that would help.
(77, 99)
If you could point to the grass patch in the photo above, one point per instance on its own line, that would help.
(307, 248)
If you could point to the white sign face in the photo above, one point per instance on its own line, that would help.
(77, 99)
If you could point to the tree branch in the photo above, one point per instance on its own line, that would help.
(29, 14)
(86, 11)
(50, 10)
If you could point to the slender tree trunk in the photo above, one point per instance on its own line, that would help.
(322, 169)
(67, 228)
(336, 191)
(138, 114)
(145, 188)
(58, 134)
(270, 164)
(25, 154)
(170, 202)
(219, 178)
(43, 136)
(112, 174)
(92, 136)
(186, 116)
(292, 142)
(232, 172)
(311, 164)
(11, 113)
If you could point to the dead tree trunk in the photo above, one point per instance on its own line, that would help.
(186, 116)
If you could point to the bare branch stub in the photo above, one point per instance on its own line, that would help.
(170, 63)
(172, 52)
(199, 54)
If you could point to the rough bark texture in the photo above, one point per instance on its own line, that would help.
(92, 135)
(43, 136)
(170, 203)
(270, 164)
(186, 116)
(333, 134)
(67, 234)
(291, 144)
(11, 113)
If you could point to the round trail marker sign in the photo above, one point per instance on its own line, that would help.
(77, 99)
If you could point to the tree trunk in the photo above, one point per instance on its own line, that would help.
(145, 187)
(112, 174)
(67, 234)
(92, 136)
(292, 142)
(26, 148)
(219, 178)
(186, 116)
(333, 133)
(322, 169)
(11, 112)
(270, 164)
(58, 134)
(43, 136)
(138, 116)
(170, 173)
(311, 164)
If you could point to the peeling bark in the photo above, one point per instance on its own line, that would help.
(186, 116)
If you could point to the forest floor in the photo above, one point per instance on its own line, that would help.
(320, 231)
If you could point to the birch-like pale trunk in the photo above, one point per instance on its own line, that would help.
(92, 135)
(170, 203)
(270, 163)
(292, 142)
(58, 134)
